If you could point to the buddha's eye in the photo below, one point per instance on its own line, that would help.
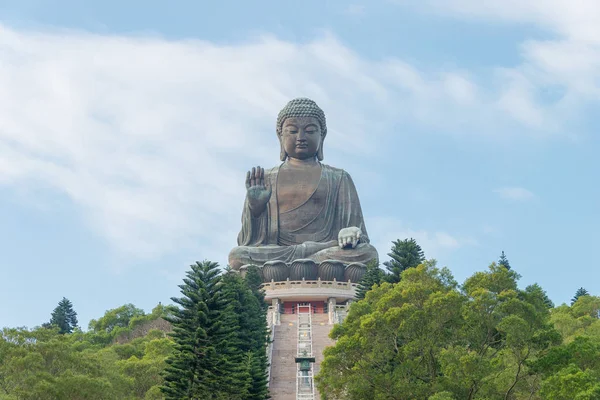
(292, 131)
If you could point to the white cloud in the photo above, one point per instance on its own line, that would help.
(151, 138)
(460, 88)
(515, 193)
(574, 19)
(435, 244)
(355, 9)
(567, 64)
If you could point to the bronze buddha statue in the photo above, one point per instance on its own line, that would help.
(301, 209)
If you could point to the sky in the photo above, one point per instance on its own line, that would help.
(126, 130)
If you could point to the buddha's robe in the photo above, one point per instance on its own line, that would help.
(309, 230)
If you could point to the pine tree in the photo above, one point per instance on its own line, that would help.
(503, 261)
(254, 281)
(580, 292)
(247, 301)
(405, 254)
(256, 365)
(374, 275)
(535, 292)
(64, 317)
(202, 366)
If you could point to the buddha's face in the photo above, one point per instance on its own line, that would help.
(301, 137)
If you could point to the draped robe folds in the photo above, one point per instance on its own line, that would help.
(310, 230)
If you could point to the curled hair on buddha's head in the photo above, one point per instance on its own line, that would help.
(301, 107)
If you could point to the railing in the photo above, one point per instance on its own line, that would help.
(273, 316)
(340, 314)
(304, 331)
(305, 388)
(270, 353)
(309, 284)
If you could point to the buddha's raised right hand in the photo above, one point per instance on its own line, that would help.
(258, 192)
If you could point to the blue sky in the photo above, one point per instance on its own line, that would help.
(126, 130)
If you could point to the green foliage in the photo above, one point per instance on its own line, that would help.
(442, 396)
(219, 331)
(536, 293)
(405, 254)
(426, 337)
(116, 318)
(44, 364)
(247, 304)
(373, 276)
(571, 383)
(420, 336)
(581, 319)
(254, 280)
(64, 317)
(217, 349)
(580, 292)
(503, 261)
(388, 346)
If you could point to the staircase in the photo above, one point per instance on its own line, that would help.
(320, 333)
(284, 369)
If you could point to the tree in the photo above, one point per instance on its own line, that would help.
(116, 318)
(204, 362)
(426, 337)
(580, 292)
(535, 291)
(251, 337)
(42, 364)
(571, 371)
(64, 317)
(503, 261)
(254, 281)
(373, 276)
(405, 254)
(388, 345)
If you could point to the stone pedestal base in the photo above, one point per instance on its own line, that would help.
(309, 290)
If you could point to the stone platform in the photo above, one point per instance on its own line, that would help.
(304, 290)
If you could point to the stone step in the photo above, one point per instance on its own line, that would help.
(284, 368)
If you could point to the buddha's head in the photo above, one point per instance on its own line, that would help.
(301, 129)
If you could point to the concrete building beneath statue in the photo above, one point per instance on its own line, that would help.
(305, 300)
(324, 297)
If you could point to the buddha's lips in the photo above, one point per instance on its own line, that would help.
(301, 146)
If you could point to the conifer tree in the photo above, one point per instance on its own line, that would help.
(580, 292)
(204, 331)
(503, 261)
(405, 254)
(251, 335)
(64, 317)
(254, 280)
(535, 291)
(374, 275)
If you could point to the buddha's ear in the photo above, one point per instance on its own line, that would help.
(320, 151)
(282, 153)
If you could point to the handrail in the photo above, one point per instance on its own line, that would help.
(305, 388)
(339, 313)
(307, 284)
(270, 353)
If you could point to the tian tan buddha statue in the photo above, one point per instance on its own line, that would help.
(301, 209)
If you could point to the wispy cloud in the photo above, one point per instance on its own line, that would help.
(567, 64)
(355, 9)
(151, 138)
(576, 21)
(435, 244)
(515, 193)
